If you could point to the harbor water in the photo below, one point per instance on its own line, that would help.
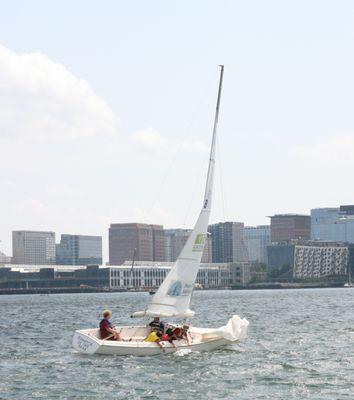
(300, 345)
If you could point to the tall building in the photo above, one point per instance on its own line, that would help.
(79, 250)
(33, 247)
(147, 241)
(175, 239)
(285, 227)
(158, 243)
(257, 238)
(333, 224)
(228, 242)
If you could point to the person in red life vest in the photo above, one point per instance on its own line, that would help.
(108, 331)
(169, 336)
(182, 333)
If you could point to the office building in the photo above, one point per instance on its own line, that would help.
(280, 256)
(33, 247)
(310, 259)
(257, 238)
(79, 250)
(144, 242)
(351, 262)
(285, 227)
(333, 224)
(227, 240)
(175, 239)
(321, 260)
(158, 243)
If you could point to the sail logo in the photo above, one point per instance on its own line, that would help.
(206, 203)
(175, 289)
(199, 242)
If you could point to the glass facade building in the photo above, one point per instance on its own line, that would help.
(333, 224)
(79, 250)
(280, 255)
(257, 238)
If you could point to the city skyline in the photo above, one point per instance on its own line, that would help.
(96, 140)
(247, 243)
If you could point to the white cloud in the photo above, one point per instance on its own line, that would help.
(41, 99)
(339, 148)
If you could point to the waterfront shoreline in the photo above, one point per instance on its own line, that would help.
(270, 286)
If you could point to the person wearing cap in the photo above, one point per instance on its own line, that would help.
(157, 326)
(107, 331)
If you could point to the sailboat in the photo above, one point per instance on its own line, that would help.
(173, 297)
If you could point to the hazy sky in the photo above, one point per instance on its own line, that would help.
(106, 111)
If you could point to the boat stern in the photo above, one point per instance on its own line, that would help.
(85, 343)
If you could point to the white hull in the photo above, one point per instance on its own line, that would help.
(87, 341)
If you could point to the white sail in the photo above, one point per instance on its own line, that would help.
(173, 297)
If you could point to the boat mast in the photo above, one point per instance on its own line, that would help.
(131, 270)
(209, 183)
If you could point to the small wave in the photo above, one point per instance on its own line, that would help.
(183, 352)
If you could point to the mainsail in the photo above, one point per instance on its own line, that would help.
(173, 297)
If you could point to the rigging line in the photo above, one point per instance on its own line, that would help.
(194, 194)
(187, 129)
(220, 178)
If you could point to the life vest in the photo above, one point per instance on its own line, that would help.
(178, 332)
(157, 326)
(103, 330)
(152, 337)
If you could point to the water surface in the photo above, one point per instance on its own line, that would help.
(300, 345)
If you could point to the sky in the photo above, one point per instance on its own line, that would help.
(106, 111)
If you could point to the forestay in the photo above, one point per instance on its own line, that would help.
(173, 297)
